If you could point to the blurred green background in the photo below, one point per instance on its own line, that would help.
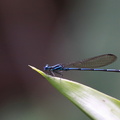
(49, 32)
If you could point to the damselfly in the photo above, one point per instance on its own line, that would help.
(89, 64)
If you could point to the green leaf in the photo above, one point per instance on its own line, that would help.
(93, 103)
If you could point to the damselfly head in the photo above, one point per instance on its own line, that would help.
(46, 67)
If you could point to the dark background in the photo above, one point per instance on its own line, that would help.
(40, 32)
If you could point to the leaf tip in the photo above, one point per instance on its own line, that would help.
(37, 70)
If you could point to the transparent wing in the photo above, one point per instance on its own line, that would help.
(93, 62)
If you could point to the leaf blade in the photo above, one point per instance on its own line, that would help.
(93, 103)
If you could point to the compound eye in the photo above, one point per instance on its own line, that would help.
(46, 67)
